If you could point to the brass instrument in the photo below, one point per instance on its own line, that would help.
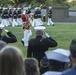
(31, 15)
(25, 25)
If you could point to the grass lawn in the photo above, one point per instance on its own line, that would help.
(62, 33)
(73, 8)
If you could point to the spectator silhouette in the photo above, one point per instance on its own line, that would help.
(57, 60)
(2, 44)
(31, 66)
(72, 70)
(11, 61)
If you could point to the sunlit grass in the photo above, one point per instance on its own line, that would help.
(62, 33)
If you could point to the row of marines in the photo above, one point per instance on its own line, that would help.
(12, 16)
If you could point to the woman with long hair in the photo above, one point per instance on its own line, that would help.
(11, 61)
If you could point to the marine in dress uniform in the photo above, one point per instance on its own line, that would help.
(38, 45)
(5, 17)
(50, 22)
(26, 28)
(14, 23)
(35, 19)
(39, 17)
(1, 13)
(28, 10)
(10, 15)
(11, 37)
(19, 20)
(29, 15)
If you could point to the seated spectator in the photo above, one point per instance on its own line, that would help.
(31, 66)
(2, 44)
(11, 61)
(57, 61)
(72, 70)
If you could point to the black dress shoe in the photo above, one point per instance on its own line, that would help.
(53, 24)
(22, 42)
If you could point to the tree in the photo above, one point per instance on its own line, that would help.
(35, 3)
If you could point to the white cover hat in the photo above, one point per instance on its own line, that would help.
(14, 8)
(39, 28)
(18, 8)
(57, 56)
(36, 8)
(50, 7)
(4, 8)
(24, 11)
(62, 51)
(26, 8)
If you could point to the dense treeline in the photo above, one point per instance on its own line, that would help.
(34, 3)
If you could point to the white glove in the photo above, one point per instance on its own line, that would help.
(6, 30)
(46, 34)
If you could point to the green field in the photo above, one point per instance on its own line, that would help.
(62, 33)
(73, 8)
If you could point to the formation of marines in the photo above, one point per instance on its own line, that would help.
(10, 16)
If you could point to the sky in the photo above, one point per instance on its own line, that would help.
(70, 0)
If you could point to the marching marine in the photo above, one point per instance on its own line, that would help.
(14, 23)
(5, 16)
(10, 15)
(50, 22)
(19, 20)
(26, 28)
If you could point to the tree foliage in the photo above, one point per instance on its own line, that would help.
(35, 3)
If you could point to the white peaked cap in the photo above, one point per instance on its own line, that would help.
(39, 28)
(14, 8)
(26, 8)
(4, 8)
(24, 11)
(1, 26)
(36, 8)
(10, 8)
(50, 7)
(51, 55)
(18, 8)
(29, 7)
(62, 51)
